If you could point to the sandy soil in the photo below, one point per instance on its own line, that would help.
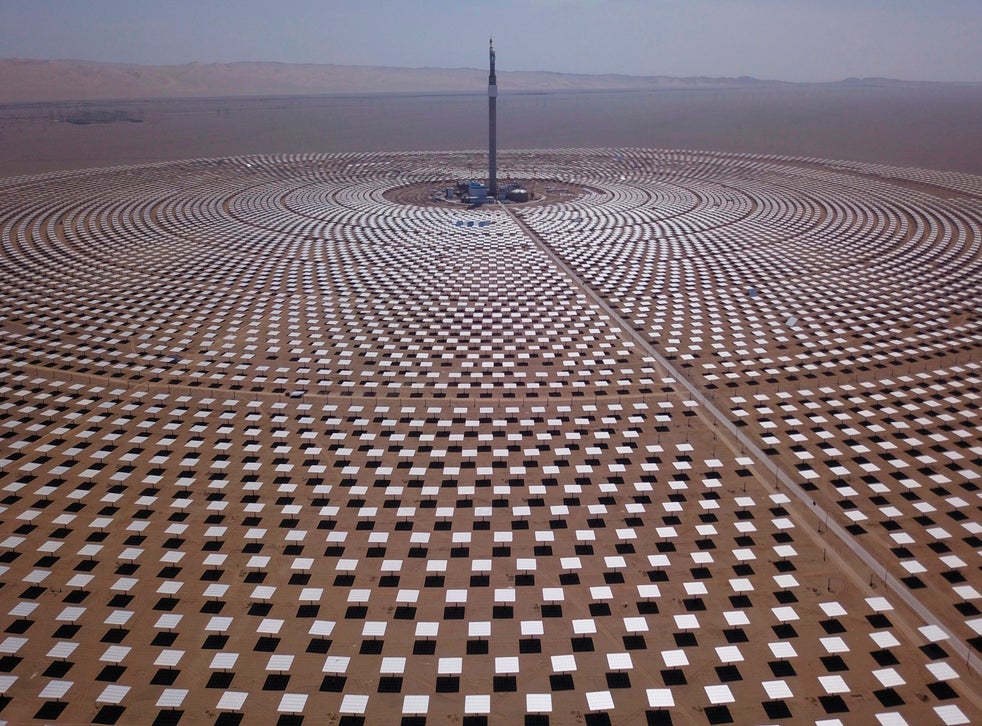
(254, 408)
(925, 126)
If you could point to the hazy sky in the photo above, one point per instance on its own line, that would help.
(806, 40)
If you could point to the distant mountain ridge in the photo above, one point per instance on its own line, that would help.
(24, 80)
(70, 80)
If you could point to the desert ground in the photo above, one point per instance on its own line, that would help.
(694, 440)
(922, 125)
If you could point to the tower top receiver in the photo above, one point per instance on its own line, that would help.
(491, 78)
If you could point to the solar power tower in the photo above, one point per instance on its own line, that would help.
(492, 127)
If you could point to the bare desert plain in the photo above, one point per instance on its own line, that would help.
(692, 439)
(924, 125)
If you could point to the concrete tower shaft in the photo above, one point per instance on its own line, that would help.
(492, 127)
